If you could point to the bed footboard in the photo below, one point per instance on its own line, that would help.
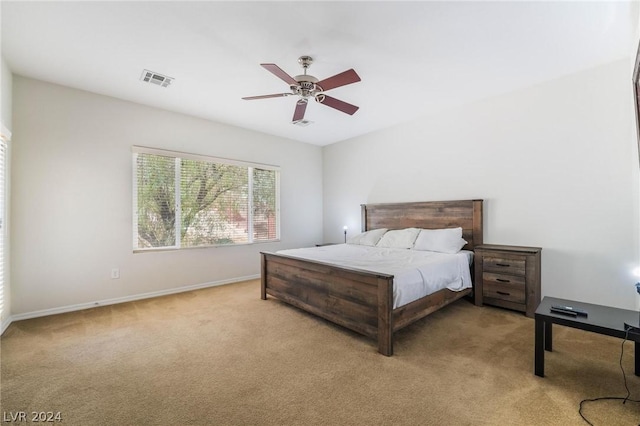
(358, 300)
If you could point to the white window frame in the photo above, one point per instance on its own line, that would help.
(177, 155)
(5, 293)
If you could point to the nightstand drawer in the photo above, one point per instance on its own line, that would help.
(503, 265)
(504, 291)
(501, 279)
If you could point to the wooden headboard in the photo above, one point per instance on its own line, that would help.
(427, 215)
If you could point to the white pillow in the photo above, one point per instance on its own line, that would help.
(369, 238)
(402, 238)
(441, 240)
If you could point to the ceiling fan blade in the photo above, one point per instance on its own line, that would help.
(342, 79)
(278, 72)
(338, 104)
(275, 95)
(301, 107)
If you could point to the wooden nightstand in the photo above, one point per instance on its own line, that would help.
(508, 276)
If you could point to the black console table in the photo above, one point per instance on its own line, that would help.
(601, 319)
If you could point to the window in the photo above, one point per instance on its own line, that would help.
(3, 232)
(184, 200)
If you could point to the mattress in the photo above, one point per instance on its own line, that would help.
(416, 273)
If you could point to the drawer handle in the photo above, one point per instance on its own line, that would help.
(502, 280)
(506, 265)
(503, 293)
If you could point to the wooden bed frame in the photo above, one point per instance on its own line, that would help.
(361, 300)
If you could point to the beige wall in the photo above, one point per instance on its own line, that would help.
(72, 198)
(556, 164)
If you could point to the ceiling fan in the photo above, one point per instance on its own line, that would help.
(306, 86)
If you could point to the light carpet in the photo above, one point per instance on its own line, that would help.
(223, 356)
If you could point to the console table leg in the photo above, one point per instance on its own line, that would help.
(540, 341)
(548, 336)
(636, 356)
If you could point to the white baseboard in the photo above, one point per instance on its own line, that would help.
(81, 306)
(5, 323)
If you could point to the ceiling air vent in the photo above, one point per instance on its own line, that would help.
(155, 78)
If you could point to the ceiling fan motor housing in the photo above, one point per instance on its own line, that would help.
(306, 86)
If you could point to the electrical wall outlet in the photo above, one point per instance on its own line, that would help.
(115, 273)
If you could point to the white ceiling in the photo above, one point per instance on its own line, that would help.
(414, 57)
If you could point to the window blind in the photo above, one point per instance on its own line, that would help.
(264, 205)
(3, 232)
(187, 200)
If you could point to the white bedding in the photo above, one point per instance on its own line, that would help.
(416, 273)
